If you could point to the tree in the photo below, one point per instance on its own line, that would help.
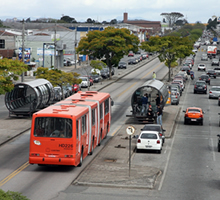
(212, 24)
(10, 70)
(90, 21)
(68, 19)
(58, 77)
(109, 45)
(113, 21)
(9, 195)
(97, 65)
(172, 17)
(170, 48)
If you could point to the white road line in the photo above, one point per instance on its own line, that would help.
(213, 151)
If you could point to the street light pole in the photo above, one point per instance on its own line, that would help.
(22, 75)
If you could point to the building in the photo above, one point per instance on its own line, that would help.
(151, 27)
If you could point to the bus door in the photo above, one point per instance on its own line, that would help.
(78, 137)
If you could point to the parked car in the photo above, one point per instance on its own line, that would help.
(67, 90)
(155, 127)
(214, 92)
(59, 90)
(131, 61)
(90, 80)
(215, 62)
(184, 73)
(104, 73)
(57, 94)
(122, 65)
(96, 77)
(193, 114)
(200, 86)
(201, 66)
(85, 82)
(130, 54)
(76, 87)
(181, 83)
(176, 88)
(205, 78)
(217, 71)
(95, 71)
(211, 73)
(149, 140)
(180, 76)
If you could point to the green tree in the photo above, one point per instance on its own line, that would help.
(10, 70)
(68, 19)
(170, 48)
(58, 77)
(97, 64)
(9, 195)
(109, 45)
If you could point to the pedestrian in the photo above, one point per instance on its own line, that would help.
(158, 100)
(150, 113)
(144, 101)
(159, 116)
(154, 76)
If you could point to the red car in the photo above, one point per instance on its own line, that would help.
(75, 88)
(130, 54)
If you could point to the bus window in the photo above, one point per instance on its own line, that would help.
(93, 117)
(106, 106)
(53, 127)
(77, 129)
(83, 124)
(101, 110)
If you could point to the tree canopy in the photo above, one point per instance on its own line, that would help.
(68, 19)
(10, 70)
(108, 45)
(58, 77)
(10, 195)
(170, 48)
(172, 17)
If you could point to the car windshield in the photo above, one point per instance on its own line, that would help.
(193, 110)
(215, 89)
(152, 128)
(148, 136)
(204, 77)
(211, 71)
(200, 83)
(84, 78)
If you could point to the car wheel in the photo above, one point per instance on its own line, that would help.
(185, 121)
(194, 92)
(209, 97)
(206, 92)
(218, 147)
(218, 103)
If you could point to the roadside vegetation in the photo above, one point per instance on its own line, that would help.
(9, 195)
(10, 70)
(109, 45)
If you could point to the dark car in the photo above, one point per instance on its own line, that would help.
(205, 78)
(211, 73)
(122, 65)
(215, 62)
(200, 86)
(104, 73)
(96, 77)
(131, 61)
(154, 127)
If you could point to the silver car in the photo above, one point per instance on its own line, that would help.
(174, 97)
(214, 92)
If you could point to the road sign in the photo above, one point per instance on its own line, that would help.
(130, 130)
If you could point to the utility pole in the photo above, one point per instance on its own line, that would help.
(22, 75)
(55, 39)
(88, 55)
(75, 45)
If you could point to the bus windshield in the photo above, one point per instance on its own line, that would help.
(53, 127)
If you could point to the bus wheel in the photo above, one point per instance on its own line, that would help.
(81, 159)
(92, 147)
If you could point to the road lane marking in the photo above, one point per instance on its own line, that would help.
(141, 79)
(213, 149)
(13, 174)
(116, 131)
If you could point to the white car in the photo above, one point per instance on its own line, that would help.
(85, 82)
(149, 140)
(201, 66)
(95, 71)
(181, 83)
(185, 74)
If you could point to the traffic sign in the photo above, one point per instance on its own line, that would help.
(130, 130)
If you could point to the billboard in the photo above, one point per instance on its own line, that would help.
(27, 55)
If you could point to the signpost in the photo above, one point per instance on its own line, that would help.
(130, 131)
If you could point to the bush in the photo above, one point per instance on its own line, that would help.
(9, 195)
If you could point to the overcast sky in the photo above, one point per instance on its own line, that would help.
(106, 10)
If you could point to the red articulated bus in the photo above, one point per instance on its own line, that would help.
(66, 132)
